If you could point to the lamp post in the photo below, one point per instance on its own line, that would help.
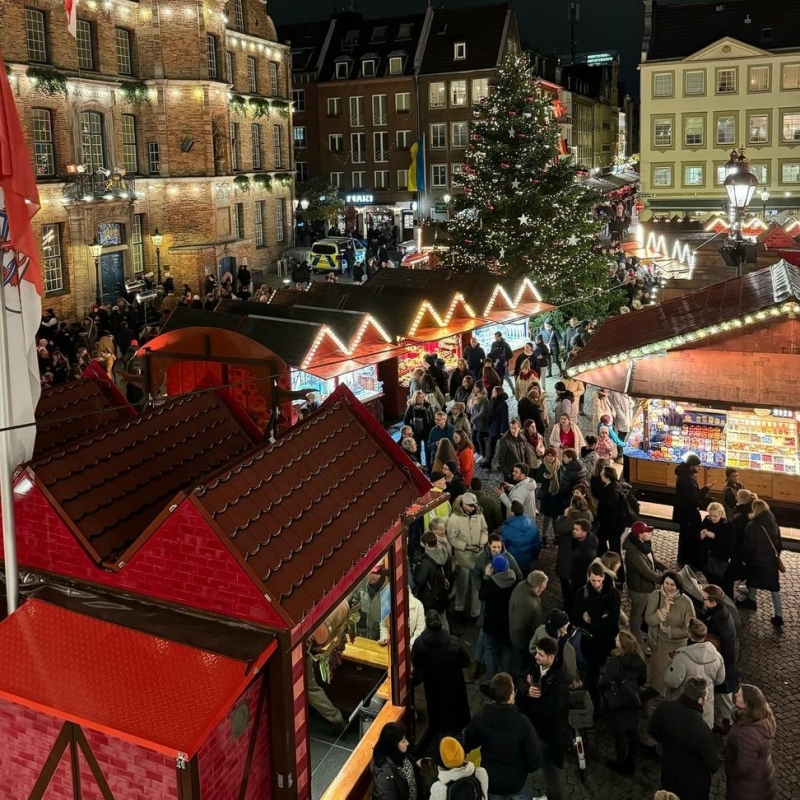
(764, 197)
(447, 200)
(740, 185)
(157, 238)
(96, 249)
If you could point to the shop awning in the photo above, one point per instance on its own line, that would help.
(139, 688)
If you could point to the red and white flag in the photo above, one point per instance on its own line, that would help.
(21, 275)
(71, 7)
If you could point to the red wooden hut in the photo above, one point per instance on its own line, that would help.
(183, 512)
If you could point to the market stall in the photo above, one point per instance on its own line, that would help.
(717, 375)
(273, 541)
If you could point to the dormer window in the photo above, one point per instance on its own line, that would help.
(368, 68)
(442, 29)
(395, 65)
(342, 69)
(379, 34)
(459, 51)
(405, 30)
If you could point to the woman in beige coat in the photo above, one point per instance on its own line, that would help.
(667, 616)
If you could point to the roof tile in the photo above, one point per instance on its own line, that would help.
(113, 485)
(312, 503)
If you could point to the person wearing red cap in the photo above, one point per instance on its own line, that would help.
(643, 571)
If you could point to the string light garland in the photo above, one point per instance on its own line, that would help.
(523, 211)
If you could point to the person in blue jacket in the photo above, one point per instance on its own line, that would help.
(521, 537)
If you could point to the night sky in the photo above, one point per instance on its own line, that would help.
(544, 26)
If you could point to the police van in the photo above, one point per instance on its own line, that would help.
(327, 254)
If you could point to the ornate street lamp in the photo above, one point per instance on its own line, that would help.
(96, 249)
(764, 198)
(740, 185)
(157, 238)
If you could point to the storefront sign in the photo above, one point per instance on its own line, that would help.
(440, 208)
(360, 199)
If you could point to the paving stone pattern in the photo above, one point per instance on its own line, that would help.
(769, 659)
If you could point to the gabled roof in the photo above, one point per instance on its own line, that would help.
(77, 409)
(356, 39)
(143, 689)
(303, 511)
(680, 30)
(482, 28)
(711, 311)
(111, 487)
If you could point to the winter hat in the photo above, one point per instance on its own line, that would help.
(468, 499)
(556, 620)
(639, 527)
(499, 563)
(451, 753)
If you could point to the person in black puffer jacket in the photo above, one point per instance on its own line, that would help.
(572, 473)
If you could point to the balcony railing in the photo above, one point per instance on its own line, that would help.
(98, 185)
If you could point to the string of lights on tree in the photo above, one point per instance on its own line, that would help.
(522, 211)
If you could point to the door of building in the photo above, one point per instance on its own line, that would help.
(112, 273)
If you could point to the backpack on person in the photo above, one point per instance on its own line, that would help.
(466, 788)
(433, 401)
(630, 505)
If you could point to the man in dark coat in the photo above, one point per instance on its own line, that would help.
(577, 548)
(544, 699)
(610, 512)
(552, 338)
(690, 757)
(689, 499)
(474, 355)
(438, 661)
(438, 375)
(509, 745)
(722, 632)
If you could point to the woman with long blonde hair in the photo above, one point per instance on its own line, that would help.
(444, 452)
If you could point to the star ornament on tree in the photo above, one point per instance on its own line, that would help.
(572, 241)
(523, 220)
(515, 183)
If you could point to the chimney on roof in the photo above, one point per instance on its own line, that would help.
(720, 7)
(747, 20)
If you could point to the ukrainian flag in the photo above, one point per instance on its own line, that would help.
(416, 170)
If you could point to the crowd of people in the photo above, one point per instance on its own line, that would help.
(653, 647)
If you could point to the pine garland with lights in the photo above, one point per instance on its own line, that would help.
(522, 211)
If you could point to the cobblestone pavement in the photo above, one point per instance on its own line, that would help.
(769, 659)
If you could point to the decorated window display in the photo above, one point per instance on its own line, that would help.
(764, 439)
(363, 383)
(449, 350)
(515, 333)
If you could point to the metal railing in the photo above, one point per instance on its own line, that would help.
(113, 186)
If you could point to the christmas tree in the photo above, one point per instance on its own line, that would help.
(522, 211)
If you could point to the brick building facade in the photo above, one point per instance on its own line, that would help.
(142, 123)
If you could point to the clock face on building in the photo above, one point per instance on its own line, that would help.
(240, 719)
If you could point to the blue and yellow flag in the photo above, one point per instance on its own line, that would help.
(416, 170)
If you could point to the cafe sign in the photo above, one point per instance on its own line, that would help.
(360, 199)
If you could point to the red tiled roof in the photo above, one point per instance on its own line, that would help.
(78, 409)
(112, 486)
(143, 689)
(303, 511)
(714, 305)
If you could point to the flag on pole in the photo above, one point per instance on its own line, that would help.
(21, 275)
(416, 170)
(71, 7)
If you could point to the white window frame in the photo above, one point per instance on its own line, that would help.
(300, 137)
(84, 43)
(342, 70)
(459, 51)
(256, 150)
(439, 88)
(671, 123)
(402, 102)
(43, 146)
(403, 139)
(380, 109)
(438, 135)
(686, 171)
(458, 93)
(357, 179)
(402, 179)
(663, 84)
(697, 90)
(130, 144)
(280, 219)
(667, 170)
(153, 159)
(258, 223)
(211, 56)
(252, 75)
(699, 135)
(480, 88)
(236, 146)
(750, 128)
(380, 144)
(36, 35)
(52, 263)
(381, 178)
(718, 80)
(337, 179)
(459, 134)
(369, 67)
(122, 42)
(728, 141)
(795, 131)
(277, 146)
(761, 171)
(229, 66)
(795, 166)
(358, 147)
(137, 246)
(395, 65)
(301, 171)
(334, 107)
(438, 171)
(299, 100)
(96, 139)
(357, 117)
(336, 143)
(761, 68)
(794, 84)
(274, 79)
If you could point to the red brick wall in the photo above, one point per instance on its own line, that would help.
(183, 562)
(27, 740)
(222, 758)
